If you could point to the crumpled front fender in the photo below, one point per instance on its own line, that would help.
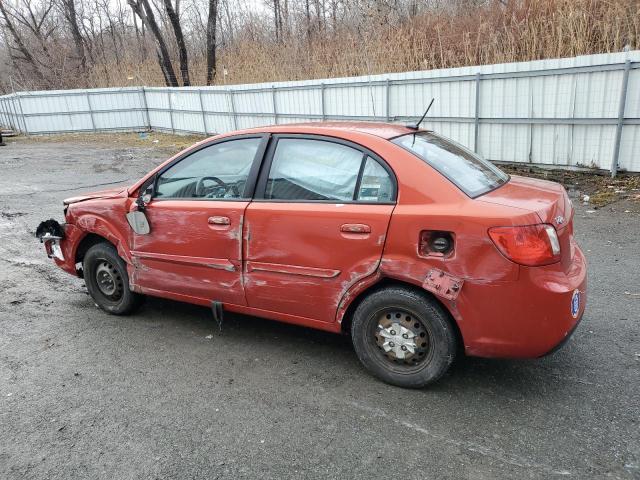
(97, 225)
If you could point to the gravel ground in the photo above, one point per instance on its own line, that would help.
(164, 395)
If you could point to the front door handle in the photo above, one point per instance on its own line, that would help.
(219, 221)
(355, 228)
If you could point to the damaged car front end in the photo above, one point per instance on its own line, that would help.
(51, 233)
(61, 240)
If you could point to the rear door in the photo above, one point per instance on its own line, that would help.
(194, 248)
(317, 224)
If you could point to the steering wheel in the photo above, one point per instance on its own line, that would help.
(200, 186)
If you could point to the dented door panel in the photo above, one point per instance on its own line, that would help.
(300, 260)
(187, 254)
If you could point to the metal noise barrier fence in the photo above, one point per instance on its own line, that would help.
(571, 112)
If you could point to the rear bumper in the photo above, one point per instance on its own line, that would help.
(564, 341)
(526, 318)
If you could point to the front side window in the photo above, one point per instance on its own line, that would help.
(469, 172)
(304, 169)
(218, 171)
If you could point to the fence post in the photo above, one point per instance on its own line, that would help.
(15, 124)
(273, 101)
(24, 119)
(93, 121)
(4, 112)
(322, 102)
(8, 112)
(2, 144)
(623, 102)
(387, 99)
(233, 109)
(204, 117)
(146, 107)
(173, 129)
(476, 127)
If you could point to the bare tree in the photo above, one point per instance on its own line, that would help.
(277, 17)
(71, 16)
(21, 52)
(143, 9)
(78, 43)
(212, 21)
(140, 36)
(174, 19)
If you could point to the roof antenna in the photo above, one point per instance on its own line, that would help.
(416, 126)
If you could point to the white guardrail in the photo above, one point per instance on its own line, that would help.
(582, 111)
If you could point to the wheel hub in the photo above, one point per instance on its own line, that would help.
(402, 337)
(108, 280)
(399, 340)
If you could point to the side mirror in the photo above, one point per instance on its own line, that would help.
(145, 196)
(142, 201)
(137, 219)
(138, 222)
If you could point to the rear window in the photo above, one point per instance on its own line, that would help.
(470, 173)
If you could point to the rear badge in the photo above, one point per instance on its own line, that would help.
(575, 303)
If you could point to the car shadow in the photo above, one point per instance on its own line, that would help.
(533, 377)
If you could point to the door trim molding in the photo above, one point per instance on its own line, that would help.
(216, 263)
(291, 269)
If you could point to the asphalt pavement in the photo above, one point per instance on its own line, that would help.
(164, 394)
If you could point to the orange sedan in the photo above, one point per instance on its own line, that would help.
(409, 242)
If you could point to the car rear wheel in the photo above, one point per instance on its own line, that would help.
(105, 275)
(403, 337)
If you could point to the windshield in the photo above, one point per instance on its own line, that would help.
(470, 173)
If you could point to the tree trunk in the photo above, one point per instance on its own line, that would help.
(164, 59)
(277, 19)
(72, 18)
(182, 48)
(307, 14)
(211, 41)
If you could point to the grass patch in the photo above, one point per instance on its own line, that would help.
(165, 141)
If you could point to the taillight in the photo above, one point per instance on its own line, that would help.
(531, 245)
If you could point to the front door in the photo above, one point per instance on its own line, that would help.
(317, 225)
(196, 218)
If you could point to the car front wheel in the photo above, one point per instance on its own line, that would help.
(403, 337)
(105, 275)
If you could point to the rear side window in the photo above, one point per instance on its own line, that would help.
(317, 170)
(469, 172)
(375, 184)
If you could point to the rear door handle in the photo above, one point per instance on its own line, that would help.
(219, 221)
(355, 228)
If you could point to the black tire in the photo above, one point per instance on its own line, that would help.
(433, 341)
(105, 271)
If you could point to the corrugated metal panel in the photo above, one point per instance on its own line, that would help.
(543, 112)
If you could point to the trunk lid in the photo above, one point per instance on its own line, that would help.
(548, 200)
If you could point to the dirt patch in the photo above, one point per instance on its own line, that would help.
(168, 142)
(11, 215)
(594, 188)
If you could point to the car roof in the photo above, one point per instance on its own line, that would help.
(379, 129)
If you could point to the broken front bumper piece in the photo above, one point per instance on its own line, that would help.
(51, 233)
